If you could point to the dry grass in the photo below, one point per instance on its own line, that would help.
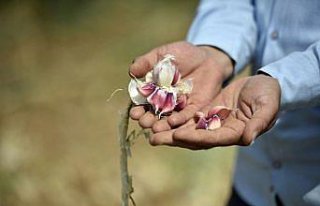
(58, 144)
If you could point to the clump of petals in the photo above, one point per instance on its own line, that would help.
(162, 88)
(213, 120)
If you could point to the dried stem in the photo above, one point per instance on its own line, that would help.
(126, 179)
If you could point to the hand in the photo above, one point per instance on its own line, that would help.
(206, 66)
(255, 101)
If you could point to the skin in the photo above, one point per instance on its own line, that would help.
(255, 102)
(206, 66)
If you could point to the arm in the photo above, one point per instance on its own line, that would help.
(299, 77)
(228, 25)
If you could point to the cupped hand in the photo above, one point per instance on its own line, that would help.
(255, 103)
(208, 67)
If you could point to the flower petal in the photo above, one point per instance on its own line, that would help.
(146, 89)
(181, 102)
(221, 111)
(157, 99)
(164, 71)
(149, 77)
(214, 123)
(176, 77)
(135, 95)
(169, 104)
(202, 123)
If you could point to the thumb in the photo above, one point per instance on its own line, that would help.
(143, 64)
(261, 121)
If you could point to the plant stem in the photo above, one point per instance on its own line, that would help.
(126, 180)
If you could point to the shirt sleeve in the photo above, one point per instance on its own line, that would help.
(299, 77)
(228, 25)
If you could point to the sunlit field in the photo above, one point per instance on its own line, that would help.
(59, 62)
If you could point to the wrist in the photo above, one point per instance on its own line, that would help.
(223, 61)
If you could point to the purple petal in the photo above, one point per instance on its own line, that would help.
(134, 93)
(147, 89)
(176, 77)
(221, 111)
(169, 104)
(181, 102)
(202, 123)
(157, 99)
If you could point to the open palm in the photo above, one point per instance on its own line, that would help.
(255, 103)
(207, 67)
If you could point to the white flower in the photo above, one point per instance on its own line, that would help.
(162, 87)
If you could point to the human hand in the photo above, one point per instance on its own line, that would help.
(206, 66)
(255, 102)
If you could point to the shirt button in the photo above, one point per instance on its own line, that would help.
(276, 164)
(274, 35)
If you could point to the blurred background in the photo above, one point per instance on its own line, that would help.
(59, 62)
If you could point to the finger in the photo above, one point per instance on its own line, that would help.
(162, 138)
(165, 138)
(259, 123)
(137, 112)
(163, 125)
(143, 64)
(147, 120)
(229, 134)
(183, 116)
(160, 126)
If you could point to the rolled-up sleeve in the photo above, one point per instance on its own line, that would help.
(299, 77)
(228, 25)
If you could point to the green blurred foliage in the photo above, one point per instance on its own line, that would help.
(59, 62)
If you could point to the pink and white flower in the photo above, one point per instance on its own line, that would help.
(213, 119)
(162, 88)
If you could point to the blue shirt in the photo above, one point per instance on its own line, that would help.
(281, 38)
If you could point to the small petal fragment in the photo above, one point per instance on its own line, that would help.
(221, 111)
(202, 123)
(181, 102)
(214, 123)
(134, 93)
(176, 77)
(213, 119)
(146, 89)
